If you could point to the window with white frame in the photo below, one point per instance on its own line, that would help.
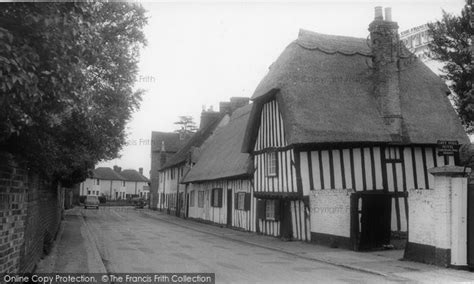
(271, 164)
(270, 209)
(241, 201)
(98, 181)
(216, 198)
(200, 199)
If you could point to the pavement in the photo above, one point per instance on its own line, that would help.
(84, 246)
(74, 250)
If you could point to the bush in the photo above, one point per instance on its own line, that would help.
(102, 199)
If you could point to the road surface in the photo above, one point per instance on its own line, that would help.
(131, 241)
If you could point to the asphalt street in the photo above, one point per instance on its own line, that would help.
(130, 241)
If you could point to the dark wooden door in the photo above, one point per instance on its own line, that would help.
(285, 220)
(470, 225)
(187, 205)
(230, 204)
(375, 221)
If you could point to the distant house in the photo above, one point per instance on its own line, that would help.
(104, 181)
(219, 186)
(114, 183)
(416, 40)
(163, 146)
(136, 185)
(340, 128)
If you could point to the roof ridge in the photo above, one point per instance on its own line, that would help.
(327, 43)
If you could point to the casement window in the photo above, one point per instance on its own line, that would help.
(123, 183)
(200, 199)
(216, 197)
(98, 181)
(268, 209)
(191, 199)
(271, 164)
(172, 173)
(242, 201)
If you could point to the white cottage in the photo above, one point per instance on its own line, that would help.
(219, 186)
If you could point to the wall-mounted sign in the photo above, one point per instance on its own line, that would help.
(447, 147)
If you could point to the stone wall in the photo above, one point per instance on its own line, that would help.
(30, 211)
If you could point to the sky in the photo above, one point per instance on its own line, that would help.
(201, 53)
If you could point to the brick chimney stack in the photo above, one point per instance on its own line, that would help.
(207, 117)
(385, 46)
(236, 102)
(140, 170)
(162, 154)
(117, 169)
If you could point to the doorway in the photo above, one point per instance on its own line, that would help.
(372, 213)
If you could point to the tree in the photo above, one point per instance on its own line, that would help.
(186, 125)
(451, 39)
(67, 73)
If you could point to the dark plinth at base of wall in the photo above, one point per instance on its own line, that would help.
(331, 240)
(427, 254)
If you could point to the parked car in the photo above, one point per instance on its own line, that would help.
(91, 201)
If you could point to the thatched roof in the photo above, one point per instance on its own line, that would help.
(324, 85)
(221, 156)
(133, 175)
(196, 140)
(106, 173)
(173, 141)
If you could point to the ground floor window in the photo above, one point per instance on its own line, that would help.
(268, 209)
(200, 199)
(243, 201)
(216, 198)
(191, 199)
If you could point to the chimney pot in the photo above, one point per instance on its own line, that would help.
(388, 14)
(378, 13)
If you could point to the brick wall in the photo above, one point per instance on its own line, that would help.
(30, 211)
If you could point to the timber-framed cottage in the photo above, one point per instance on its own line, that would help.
(219, 186)
(340, 128)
